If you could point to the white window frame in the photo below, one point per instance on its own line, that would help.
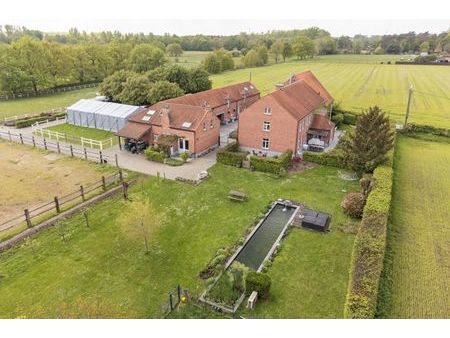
(267, 111)
(211, 124)
(268, 144)
(266, 126)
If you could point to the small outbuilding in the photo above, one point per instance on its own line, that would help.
(100, 115)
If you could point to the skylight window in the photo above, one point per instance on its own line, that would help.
(186, 125)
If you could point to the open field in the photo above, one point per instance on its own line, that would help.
(103, 271)
(357, 86)
(31, 176)
(419, 234)
(43, 103)
(75, 132)
(195, 58)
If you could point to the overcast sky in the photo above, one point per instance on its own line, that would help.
(344, 17)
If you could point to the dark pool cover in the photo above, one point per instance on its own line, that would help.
(315, 220)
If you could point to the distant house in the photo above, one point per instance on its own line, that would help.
(190, 123)
(293, 116)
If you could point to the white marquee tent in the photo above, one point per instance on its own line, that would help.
(100, 115)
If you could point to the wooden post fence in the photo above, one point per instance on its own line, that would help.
(57, 146)
(21, 138)
(117, 160)
(9, 136)
(71, 151)
(103, 183)
(45, 144)
(28, 218)
(58, 209)
(82, 193)
(85, 154)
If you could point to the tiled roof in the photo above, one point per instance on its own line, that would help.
(321, 122)
(133, 130)
(298, 99)
(217, 97)
(314, 83)
(179, 114)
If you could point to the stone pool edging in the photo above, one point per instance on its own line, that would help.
(230, 260)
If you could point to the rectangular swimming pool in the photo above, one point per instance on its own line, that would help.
(259, 245)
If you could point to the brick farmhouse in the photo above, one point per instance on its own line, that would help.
(296, 113)
(190, 123)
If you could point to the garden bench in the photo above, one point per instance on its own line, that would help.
(237, 196)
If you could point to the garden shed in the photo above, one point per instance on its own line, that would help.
(100, 115)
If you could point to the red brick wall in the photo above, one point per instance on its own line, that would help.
(199, 139)
(205, 139)
(283, 131)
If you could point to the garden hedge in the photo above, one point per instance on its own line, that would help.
(230, 155)
(369, 247)
(153, 155)
(259, 282)
(271, 164)
(421, 128)
(28, 122)
(334, 158)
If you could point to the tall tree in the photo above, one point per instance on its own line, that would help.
(368, 146)
(303, 47)
(287, 50)
(112, 85)
(135, 90)
(174, 49)
(277, 49)
(163, 90)
(145, 57)
(32, 57)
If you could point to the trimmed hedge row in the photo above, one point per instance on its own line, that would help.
(334, 158)
(271, 164)
(369, 248)
(421, 128)
(230, 155)
(28, 122)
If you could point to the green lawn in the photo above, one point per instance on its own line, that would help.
(73, 133)
(43, 103)
(418, 274)
(357, 85)
(103, 271)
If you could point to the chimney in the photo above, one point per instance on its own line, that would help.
(165, 116)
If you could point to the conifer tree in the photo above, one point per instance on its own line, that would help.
(367, 147)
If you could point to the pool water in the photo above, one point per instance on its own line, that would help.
(258, 246)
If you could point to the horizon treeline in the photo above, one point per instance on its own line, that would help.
(408, 43)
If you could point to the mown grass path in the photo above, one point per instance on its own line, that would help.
(419, 234)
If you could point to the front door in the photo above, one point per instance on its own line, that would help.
(183, 145)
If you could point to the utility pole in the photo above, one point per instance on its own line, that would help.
(410, 92)
(250, 77)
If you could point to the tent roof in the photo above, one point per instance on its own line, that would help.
(104, 108)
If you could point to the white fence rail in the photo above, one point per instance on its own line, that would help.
(59, 136)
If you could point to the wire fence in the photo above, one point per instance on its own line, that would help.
(59, 147)
(61, 203)
(50, 91)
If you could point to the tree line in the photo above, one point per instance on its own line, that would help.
(410, 42)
